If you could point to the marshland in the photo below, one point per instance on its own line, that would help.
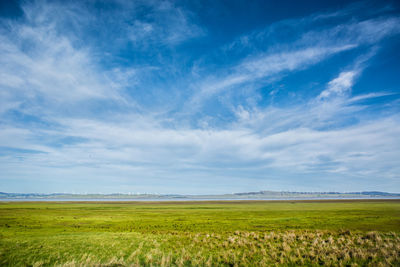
(201, 233)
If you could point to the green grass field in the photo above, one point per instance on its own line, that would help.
(230, 233)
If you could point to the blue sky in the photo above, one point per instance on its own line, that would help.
(199, 97)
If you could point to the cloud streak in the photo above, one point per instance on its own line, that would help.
(311, 48)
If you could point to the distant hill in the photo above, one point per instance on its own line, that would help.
(246, 195)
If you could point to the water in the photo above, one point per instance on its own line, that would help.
(177, 199)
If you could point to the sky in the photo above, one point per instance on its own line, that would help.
(199, 97)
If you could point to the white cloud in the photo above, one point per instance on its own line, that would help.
(57, 62)
(163, 23)
(368, 96)
(136, 152)
(262, 66)
(50, 68)
(357, 33)
(312, 47)
(340, 85)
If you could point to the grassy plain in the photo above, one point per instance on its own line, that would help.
(227, 233)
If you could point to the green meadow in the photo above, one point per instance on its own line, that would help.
(202, 233)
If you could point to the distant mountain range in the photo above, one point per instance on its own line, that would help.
(247, 195)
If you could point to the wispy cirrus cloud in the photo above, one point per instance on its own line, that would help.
(44, 54)
(309, 49)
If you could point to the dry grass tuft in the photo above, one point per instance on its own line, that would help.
(294, 248)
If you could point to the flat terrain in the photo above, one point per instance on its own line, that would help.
(206, 233)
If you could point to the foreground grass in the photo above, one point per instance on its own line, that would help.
(201, 234)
